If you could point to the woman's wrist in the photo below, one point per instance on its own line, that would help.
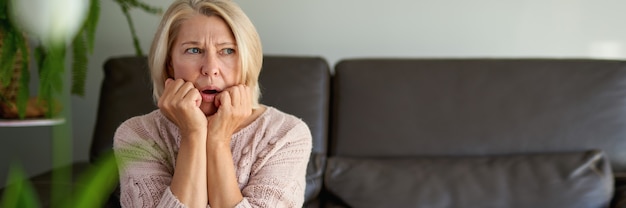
(218, 142)
(194, 136)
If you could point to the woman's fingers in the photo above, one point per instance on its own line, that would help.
(170, 92)
(238, 95)
(179, 90)
(186, 95)
(235, 102)
(225, 99)
(179, 99)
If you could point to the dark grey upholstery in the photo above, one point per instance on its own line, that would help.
(480, 107)
(126, 92)
(572, 180)
(421, 108)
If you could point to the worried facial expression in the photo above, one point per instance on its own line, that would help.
(205, 53)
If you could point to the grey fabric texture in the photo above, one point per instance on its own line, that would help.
(416, 107)
(564, 180)
(126, 91)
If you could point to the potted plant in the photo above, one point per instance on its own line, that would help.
(53, 41)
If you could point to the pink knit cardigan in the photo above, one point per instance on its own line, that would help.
(270, 157)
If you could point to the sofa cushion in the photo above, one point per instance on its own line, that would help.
(580, 179)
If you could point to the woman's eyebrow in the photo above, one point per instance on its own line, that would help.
(190, 43)
(226, 43)
(198, 43)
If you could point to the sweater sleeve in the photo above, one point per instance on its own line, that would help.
(279, 178)
(145, 174)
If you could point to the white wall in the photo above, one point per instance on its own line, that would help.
(338, 29)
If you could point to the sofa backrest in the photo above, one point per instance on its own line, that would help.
(473, 107)
(126, 91)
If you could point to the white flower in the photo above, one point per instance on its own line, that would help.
(55, 21)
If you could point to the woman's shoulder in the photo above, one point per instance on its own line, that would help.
(277, 130)
(142, 121)
(281, 119)
(148, 126)
(277, 123)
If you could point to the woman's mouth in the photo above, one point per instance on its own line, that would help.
(208, 96)
(210, 91)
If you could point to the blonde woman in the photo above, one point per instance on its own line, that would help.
(210, 143)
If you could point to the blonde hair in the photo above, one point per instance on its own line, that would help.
(246, 36)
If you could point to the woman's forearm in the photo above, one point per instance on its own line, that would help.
(189, 180)
(223, 190)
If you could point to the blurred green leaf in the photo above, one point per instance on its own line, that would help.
(4, 9)
(51, 73)
(19, 191)
(92, 23)
(79, 66)
(98, 180)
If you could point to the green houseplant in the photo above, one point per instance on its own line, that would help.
(49, 56)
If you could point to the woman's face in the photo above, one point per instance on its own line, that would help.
(205, 53)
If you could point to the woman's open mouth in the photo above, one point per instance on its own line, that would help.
(209, 95)
(210, 92)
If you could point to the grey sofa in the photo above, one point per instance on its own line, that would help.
(433, 132)
(477, 133)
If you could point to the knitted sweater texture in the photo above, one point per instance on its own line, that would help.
(270, 156)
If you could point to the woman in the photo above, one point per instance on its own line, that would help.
(210, 143)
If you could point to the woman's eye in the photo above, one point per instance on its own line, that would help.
(228, 51)
(193, 50)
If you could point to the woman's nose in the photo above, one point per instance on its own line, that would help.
(210, 66)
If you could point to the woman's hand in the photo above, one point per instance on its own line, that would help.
(180, 103)
(234, 108)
